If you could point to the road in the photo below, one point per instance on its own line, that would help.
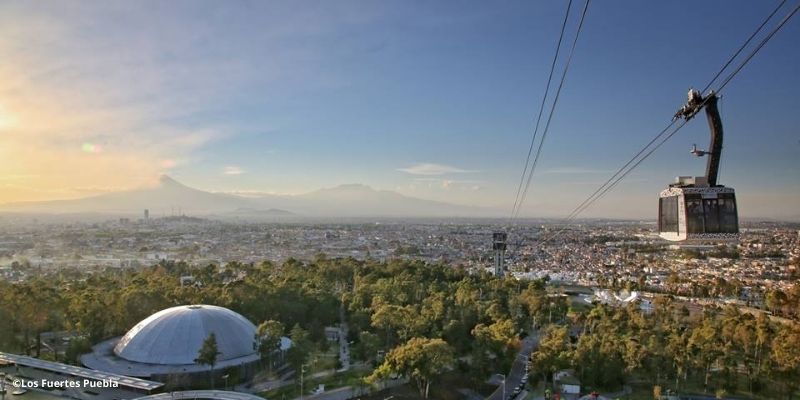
(514, 377)
(344, 344)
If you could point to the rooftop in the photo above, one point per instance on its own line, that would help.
(50, 366)
(202, 394)
(175, 335)
(103, 358)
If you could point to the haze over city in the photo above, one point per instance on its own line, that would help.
(408, 200)
(434, 101)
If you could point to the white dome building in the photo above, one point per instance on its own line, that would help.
(167, 343)
(175, 335)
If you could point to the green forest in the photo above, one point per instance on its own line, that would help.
(387, 305)
(721, 352)
(427, 322)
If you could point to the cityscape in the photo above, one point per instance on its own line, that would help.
(382, 200)
(591, 253)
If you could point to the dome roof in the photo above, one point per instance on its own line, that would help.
(175, 335)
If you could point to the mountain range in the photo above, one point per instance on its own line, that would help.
(170, 196)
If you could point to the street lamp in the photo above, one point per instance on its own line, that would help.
(504, 386)
(2, 385)
(302, 372)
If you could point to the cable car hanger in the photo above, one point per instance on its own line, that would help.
(699, 209)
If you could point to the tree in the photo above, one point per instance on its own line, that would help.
(76, 347)
(207, 355)
(554, 353)
(367, 346)
(34, 303)
(786, 356)
(634, 355)
(269, 340)
(704, 345)
(301, 347)
(678, 350)
(420, 359)
(775, 301)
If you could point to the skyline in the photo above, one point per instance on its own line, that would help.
(434, 101)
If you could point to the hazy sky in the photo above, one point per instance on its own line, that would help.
(432, 99)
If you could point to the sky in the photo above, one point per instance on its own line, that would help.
(435, 100)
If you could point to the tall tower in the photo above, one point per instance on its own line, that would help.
(499, 247)
(146, 214)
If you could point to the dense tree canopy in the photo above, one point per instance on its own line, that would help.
(719, 349)
(420, 359)
(386, 305)
(394, 309)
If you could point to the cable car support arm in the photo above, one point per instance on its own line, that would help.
(688, 111)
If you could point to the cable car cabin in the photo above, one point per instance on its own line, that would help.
(690, 210)
(699, 209)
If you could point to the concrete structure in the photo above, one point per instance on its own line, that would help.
(620, 299)
(202, 394)
(499, 247)
(568, 383)
(164, 346)
(332, 333)
(69, 381)
(174, 336)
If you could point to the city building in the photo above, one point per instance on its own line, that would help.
(73, 382)
(165, 346)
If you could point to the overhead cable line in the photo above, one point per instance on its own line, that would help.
(760, 45)
(619, 171)
(605, 188)
(581, 207)
(552, 109)
(742, 47)
(541, 111)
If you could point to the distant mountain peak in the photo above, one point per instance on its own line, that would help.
(262, 212)
(347, 200)
(167, 181)
(353, 186)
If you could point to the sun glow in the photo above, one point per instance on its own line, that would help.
(6, 119)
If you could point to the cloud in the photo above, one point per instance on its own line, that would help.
(431, 169)
(232, 170)
(573, 171)
(448, 184)
(82, 111)
(79, 112)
